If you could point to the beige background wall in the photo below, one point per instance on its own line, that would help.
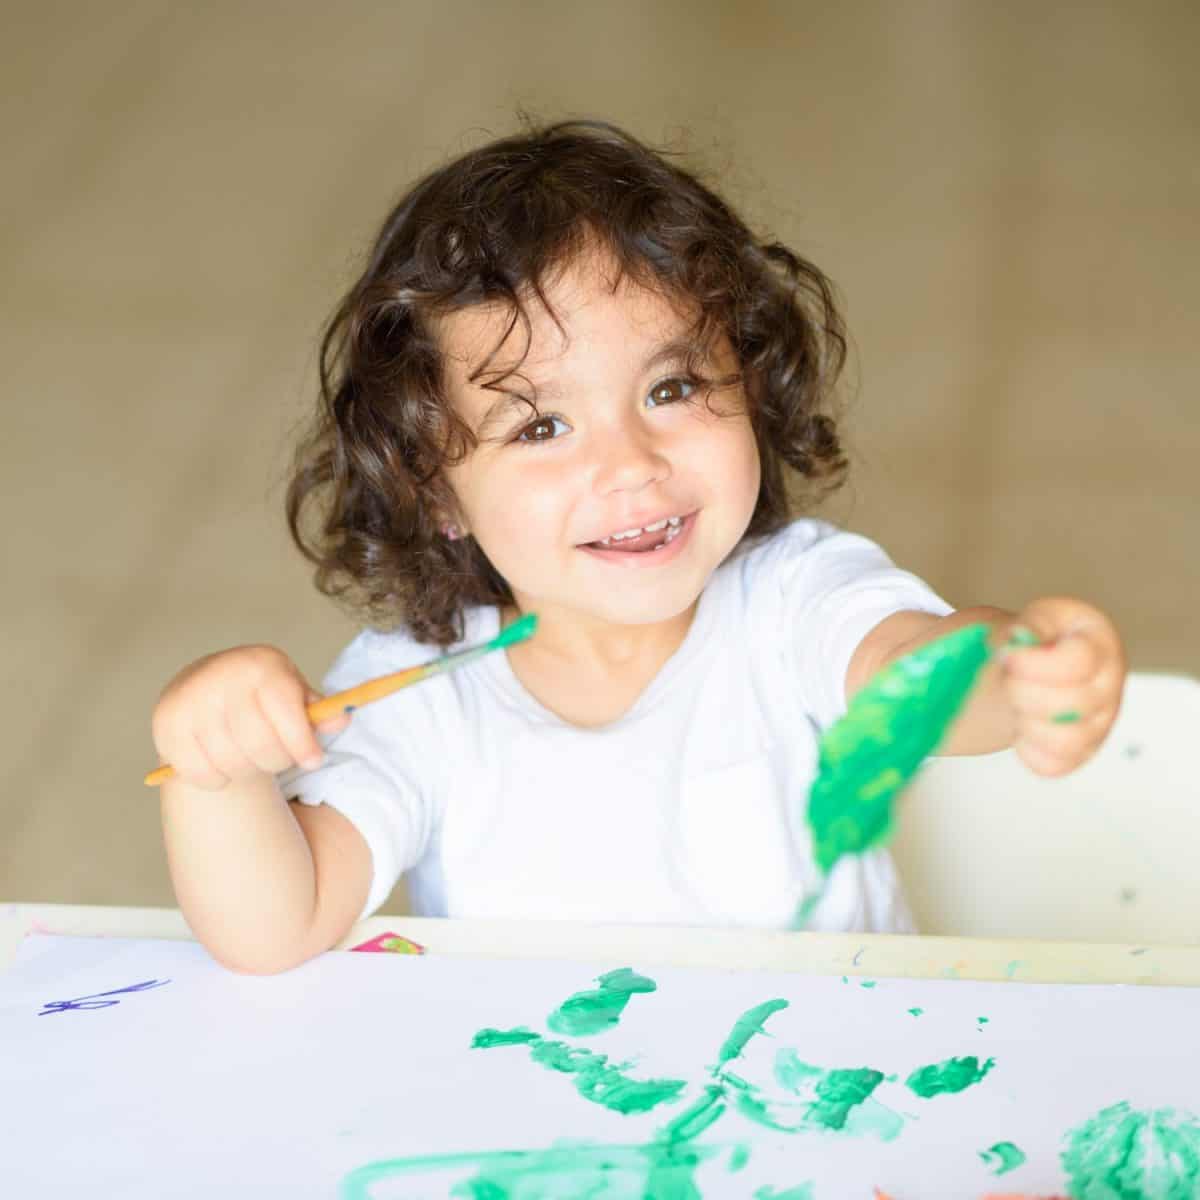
(1006, 193)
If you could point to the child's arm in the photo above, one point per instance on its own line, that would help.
(263, 884)
(1054, 703)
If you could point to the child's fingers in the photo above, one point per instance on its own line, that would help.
(333, 724)
(1071, 659)
(1053, 702)
(193, 765)
(257, 737)
(285, 706)
(1051, 749)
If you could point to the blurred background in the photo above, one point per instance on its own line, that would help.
(1007, 195)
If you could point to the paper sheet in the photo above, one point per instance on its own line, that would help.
(362, 1075)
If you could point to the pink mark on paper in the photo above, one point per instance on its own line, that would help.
(390, 943)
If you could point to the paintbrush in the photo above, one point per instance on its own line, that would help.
(867, 756)
(375, 689)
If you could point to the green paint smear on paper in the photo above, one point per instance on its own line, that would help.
(890, 727)
(658, 1171)
(837, 1100)
(595, 1011)
(1126, 1154)
(1003, 1157)
(917, 1012)
(596, 1079)
(834, 1091)
(486, 1039)
(947, 1078)
(745, 1027)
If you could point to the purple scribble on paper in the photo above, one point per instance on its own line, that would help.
(97, 1000)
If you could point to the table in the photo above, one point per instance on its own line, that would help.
(874, 955)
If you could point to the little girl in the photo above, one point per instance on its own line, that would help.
(570, 381)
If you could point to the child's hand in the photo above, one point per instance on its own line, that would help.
(237, 715)
(1066, 690)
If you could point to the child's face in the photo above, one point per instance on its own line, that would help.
(616, 446)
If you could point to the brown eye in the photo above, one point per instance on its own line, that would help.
(541, 430)
(672, 391)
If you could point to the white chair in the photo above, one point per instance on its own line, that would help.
(1110, 853)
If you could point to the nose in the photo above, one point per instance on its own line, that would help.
(628, 460)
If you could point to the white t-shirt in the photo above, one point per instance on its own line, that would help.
(689, 809)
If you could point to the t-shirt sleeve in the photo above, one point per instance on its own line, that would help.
(379, 773)
(834, 588)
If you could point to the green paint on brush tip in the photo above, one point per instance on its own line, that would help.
(1126, 1154)
(1002, 1157)
(946, 1078)
(595, 1011)
(890, 727)
(518, 631)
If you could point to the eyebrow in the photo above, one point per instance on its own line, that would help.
(676, 350)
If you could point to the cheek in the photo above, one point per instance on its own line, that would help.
(519, 511)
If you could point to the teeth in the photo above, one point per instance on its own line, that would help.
(670, 524)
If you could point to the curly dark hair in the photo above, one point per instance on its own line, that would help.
(491, 226)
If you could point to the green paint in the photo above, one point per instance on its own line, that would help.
(658, 1171)
(946, 1078)
(834, 1092)
(595, 1011)
(745, 1027)
(981, 1022)
(603, 1083)
(485, 1039)
(697, 1117)
(1013, 967)
(820, 1099)
(1068, 717)
(867, 983)
(1020, 636)
(1126, 1154)
(917, 1012)
(596, 1079)
(890, 727)
(1003, 1157)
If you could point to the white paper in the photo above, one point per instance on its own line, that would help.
(210, 1083)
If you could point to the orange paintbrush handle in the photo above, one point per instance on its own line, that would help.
(338, 703)
(385, 685)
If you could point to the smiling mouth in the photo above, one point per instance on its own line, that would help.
(642, 541)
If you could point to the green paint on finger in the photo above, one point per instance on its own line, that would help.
(1069, 717)
(1126, 1154)
(947, 1078)
(599, 1009)
(1003, 1157)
